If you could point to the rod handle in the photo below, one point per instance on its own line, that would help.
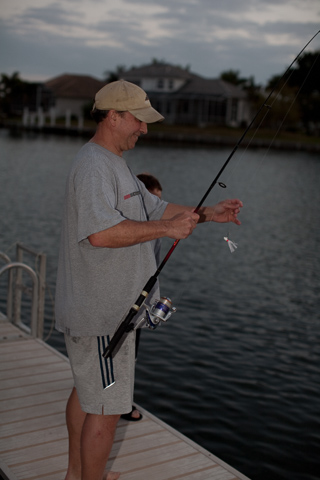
(125, 325)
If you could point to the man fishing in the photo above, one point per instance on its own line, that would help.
(106, 255)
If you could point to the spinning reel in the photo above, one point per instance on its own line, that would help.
(161, 310)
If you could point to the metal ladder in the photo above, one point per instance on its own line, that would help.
(16, 286)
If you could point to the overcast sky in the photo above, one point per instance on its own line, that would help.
(42, 39)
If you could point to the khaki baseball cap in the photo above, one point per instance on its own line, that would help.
(124, 96)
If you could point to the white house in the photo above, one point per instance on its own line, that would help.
(70, 93)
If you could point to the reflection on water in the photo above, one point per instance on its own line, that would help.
(237, 368)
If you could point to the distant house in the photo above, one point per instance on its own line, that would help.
(180, 95)
(186, 98)
(70, 93)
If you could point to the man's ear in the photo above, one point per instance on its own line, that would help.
(113, 116)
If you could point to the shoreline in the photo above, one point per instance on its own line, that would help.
(165, 137)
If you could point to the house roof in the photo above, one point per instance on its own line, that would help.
(211, 87)
(74, 86)
(156, 70)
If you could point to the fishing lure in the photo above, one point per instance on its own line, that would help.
(231, 244)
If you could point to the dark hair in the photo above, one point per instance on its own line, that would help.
(99, 115)
(150, 181)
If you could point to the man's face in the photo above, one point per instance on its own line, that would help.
(129, 130)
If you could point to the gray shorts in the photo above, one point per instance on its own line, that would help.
(104, 386)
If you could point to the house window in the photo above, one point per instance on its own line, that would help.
(171, 83)
(160, 83)
(216, 111)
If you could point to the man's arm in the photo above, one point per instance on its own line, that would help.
(177, 222)
(130, 232)
(222, 212)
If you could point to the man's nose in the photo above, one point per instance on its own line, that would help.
(143, 128)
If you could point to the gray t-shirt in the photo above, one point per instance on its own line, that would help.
(96, 286)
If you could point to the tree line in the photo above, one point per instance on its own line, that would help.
(298, 94)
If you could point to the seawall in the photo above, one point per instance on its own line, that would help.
(176, 138)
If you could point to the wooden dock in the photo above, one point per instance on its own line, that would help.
(35, 382)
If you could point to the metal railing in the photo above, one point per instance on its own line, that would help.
(16, 286)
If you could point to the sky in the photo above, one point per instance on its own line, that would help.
(42, 39)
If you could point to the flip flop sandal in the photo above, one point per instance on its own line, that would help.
(130, 418)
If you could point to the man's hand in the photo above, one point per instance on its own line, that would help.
(182, 225)
(226, 211)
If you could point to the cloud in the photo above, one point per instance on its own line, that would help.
(53, 15)
(257, 37)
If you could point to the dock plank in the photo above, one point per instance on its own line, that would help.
(35, 382)
(32, 380)
(32, 372)
(32, 411)
(35, 452)
(29, 425)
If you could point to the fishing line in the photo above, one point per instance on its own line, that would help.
(127, 325)
(292, 103)
(236, 164)
(233, 245)
(257, 165)
(271, 142)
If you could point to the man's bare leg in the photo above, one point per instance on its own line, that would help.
(96, 443)
(75, 418)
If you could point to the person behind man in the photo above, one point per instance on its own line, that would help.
(153, 186)
(151, 183)
(106, 256)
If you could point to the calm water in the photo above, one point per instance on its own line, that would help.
(237, 368)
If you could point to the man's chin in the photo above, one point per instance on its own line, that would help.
(134, 141)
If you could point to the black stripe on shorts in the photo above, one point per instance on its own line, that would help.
(106, 365)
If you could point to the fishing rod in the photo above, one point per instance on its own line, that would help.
(162, 309)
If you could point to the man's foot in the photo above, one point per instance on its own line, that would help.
(133, 416)
(111, 476)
